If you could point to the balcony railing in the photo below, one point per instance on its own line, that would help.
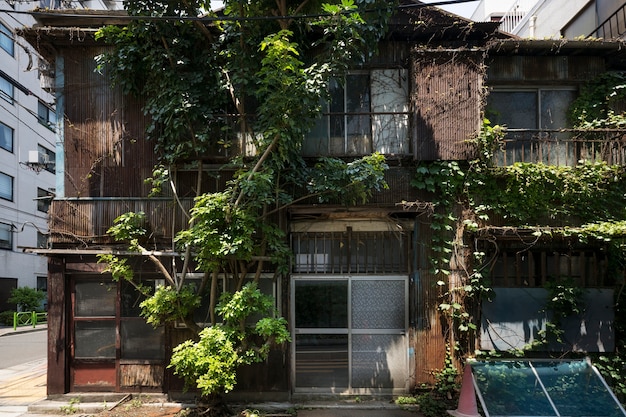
(562, 147)
(85, 221)
(613, 27)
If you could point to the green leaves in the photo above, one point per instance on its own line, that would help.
(169, 304)
(212, 362)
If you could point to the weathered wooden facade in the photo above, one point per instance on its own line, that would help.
(394, 340)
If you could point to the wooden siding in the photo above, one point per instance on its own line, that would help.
(105, 155)
(446, 101)
(86, 221)
(543, 69)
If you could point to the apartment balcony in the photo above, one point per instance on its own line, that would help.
(84, 222)
(565, 147)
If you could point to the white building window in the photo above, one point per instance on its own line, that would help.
(6, 187)
(6, 40)
(6, 236)
(6, 90)
(46, 115)
(6, 137)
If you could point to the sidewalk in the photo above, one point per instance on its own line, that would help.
(8, 330)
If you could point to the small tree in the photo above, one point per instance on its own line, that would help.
(260, 71)
(27, 299)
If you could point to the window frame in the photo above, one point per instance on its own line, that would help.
(7, 230)
(377, 120)
(46, 115)
(7, 34)
(44, 198)
(47, 158)
(4, 128)
(538, 91)
(7, 90)
(11, 187)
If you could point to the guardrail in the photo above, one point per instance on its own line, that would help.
(28, 318)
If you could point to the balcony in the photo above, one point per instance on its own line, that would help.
(564, 147)
(85, 221)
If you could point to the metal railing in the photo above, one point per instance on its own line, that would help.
(564, 147)
(613, 27)
(515, 15)
(29, 318)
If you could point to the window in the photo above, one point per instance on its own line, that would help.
(6, 137)
(367, 112)
(533, 118)
(6, 236)
(43, 199)
(46, 115)
(6, 187)
(42, 240)
(6, 39)
(47, 158)
(97, 313)
(6, 90)
(349, 252)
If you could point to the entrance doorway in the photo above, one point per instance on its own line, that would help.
(349, 333)
(349, 309)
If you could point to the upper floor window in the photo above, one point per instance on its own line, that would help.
(368, 112)
(537, 108)
(533, 118)
(6, 137)
(6, 187)
(6, 39)
(46, 158)
(6, 236)
(46, 115)
(6, 90)
(43, 199)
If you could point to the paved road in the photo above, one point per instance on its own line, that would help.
(22, 371)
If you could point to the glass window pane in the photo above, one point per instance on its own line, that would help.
(141, 341)
(94, 339)
(321, 304)
(131, 299)
(6, 39)
(511, 389)
(6, 187)
(576, 390)
(95, 298)
(6, 236)
(6, 137)
(554, 108)
(6, 90)
(378, 361)
(515, 109)
(321, 360)
(357, 93)
(378, 304)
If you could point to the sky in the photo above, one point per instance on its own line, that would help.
(462, 9)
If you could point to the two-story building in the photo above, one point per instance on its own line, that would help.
(361, 298)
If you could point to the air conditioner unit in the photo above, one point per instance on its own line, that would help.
(33, 157)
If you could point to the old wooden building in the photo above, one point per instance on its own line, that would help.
(361, 299)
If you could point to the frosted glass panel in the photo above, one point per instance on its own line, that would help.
(378, 361)
(378, 304)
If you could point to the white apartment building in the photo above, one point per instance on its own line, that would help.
(28, 123)
(27, 155)
(555, 19)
